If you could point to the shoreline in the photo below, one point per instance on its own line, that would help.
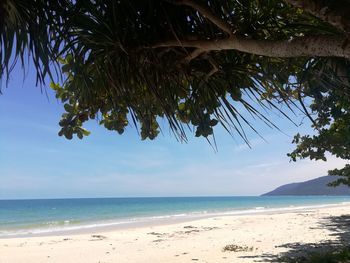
(137, 223)
(262, 237)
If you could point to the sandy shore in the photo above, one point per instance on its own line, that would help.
(259, 237)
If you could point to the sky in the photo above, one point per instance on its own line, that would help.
(36, 163)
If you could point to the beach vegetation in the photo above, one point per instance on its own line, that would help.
(195, 64)
(237, 248)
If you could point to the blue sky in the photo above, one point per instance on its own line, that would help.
(36, 163)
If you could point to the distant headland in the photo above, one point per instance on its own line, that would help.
(318, 186)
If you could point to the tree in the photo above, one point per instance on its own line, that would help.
(331, 107)
(189, 61)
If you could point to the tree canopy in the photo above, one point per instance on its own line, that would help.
(193, 62)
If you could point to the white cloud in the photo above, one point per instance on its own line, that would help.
(220, 178)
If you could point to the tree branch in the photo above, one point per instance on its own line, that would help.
(309, 46)
(197, 52)
(214, 69)
(207, 13)
(339, 18)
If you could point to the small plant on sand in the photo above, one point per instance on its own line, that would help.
(236, 248)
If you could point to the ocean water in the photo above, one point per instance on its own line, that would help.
(44, 216)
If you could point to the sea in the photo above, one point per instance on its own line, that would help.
(54, 216)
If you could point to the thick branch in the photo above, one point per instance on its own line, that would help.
(337, 17)
(206, 12)
(310, 46)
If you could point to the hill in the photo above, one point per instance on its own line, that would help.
(316, 186)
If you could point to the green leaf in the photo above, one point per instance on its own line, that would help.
(66, 68)
(68, 107)
(85, 132)
(182, 106)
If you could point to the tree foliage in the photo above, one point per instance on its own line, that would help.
(195, 63)
(330, 107)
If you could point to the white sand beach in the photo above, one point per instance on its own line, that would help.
(262, 237)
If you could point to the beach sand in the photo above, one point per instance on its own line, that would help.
(262, 237)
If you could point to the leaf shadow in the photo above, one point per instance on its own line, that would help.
(299, 252)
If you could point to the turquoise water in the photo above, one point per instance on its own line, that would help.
(21, 217)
